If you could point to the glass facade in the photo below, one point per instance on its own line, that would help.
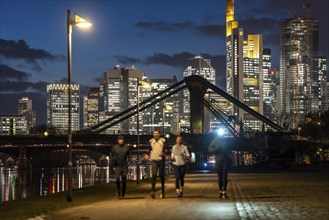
(13, 125)
(57, 107)
(90, 108)
(25, 109)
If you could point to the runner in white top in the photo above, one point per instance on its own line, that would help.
(180, 155)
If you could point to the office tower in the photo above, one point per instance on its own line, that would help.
(253, 78)
(13, 125)
(57, 107)
(25, 109)
(299, 43)
(320, 70)
(118, 92)
(197, 66)
(269, 85)
(234, 58)
(90, 108)
(163, 116)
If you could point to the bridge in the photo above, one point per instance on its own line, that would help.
(276, 143)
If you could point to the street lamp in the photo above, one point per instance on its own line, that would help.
(165, 107)
(82, 23)
(299, 129)
(140, 84)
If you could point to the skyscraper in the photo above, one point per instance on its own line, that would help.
(320, 69)
(234, 58)
(25, 109)
(13, 125)
(269, 85)
(299, 43)
(164, 115)
(197, 66)
(90, 108)
(253, 78)
(57, 107)
(118, 92)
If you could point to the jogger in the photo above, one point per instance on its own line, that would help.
(179, 155)
(119, 156)
(157, 156)
(223, 162)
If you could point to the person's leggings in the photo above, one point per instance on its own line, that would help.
(158, 165)
(222, 175)
(179, 175)
(121, 172)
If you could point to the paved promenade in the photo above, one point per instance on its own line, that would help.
(269, 195)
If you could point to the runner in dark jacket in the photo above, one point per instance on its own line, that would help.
(119, 156)
(219, 148)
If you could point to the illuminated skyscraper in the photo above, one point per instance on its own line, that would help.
(197, 66)
(164, 115)
(25, 109)
(90, 108)
(57, 107)
(299, 83)
(118, 92)
(253, 78)
(320, 69)
(13, 125)
(234, 58)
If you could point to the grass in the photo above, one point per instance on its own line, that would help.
(36, 206)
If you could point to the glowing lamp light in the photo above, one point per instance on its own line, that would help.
(220, 131)
(81, 22)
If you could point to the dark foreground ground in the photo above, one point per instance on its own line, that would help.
(297, 193)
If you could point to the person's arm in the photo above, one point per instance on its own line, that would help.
(172, 153)
(187, 153)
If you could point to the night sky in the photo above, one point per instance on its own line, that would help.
(155, 36)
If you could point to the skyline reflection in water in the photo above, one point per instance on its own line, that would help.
(20, 184)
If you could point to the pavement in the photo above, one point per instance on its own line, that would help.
(255, 195)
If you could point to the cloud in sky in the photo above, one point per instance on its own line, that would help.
(20, 50)
(9, 74)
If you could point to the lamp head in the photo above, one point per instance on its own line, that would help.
(81, 22)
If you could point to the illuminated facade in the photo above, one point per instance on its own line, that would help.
(269, 86)
(202, 67)
(234, 58)
(25, 109)
(90, 108)
(164, 115)
(118, 92)
(13, 125)
(299, 83)
(57, 107)
(320, 69)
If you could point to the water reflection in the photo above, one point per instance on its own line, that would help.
(19, 184)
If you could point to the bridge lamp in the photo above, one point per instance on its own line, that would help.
(221, 131)
(46, 134)
(81, 23)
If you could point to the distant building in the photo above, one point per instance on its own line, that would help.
(25, 109)
(320, 70)
(164, 115)
(299, 83)
(198, 66)
(269, 85)
(57, 107)
(118, 92)
(253, 78)
(13, 125)
(90, 108)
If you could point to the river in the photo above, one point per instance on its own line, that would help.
(20, 184)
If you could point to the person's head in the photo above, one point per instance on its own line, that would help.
(121, 140)
(179, 140)
(156, 134)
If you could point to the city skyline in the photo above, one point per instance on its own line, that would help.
(209, 26)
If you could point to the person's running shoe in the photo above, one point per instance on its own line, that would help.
(152, 195)
(220, 195)
(162, 196)
(224, 196)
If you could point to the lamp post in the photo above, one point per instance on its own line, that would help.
(82, 23)
(139, 85)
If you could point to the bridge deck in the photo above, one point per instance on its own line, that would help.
(252, 196)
